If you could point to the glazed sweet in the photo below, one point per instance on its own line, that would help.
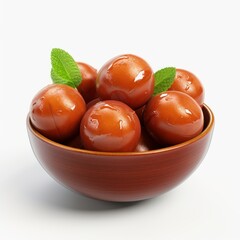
(75, 142)
(146, 142)
(127, 78)
(93, 102)
(56, 111)
(87, 88)
(188, 83)
(173, 117)
(110, 126)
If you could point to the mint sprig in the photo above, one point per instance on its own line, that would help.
(163, 79)
(64, 68)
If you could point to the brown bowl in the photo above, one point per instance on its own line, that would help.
(122, 177)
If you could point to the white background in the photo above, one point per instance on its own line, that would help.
(201, 36)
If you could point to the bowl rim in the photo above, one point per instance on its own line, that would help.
(99, 153)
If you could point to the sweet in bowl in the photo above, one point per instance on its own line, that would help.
(122, 176)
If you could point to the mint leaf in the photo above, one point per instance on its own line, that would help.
(58, 79)
(164, 79)
(64, 68)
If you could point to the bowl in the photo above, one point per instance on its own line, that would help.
(122, 177)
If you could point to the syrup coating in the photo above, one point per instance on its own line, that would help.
(127, 78)
(173, 117)
(87, 88)
(188, 83)
(110, 126)
(56, 111)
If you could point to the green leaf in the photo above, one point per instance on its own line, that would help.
(164, 79)
(58, 79)
(64, 68)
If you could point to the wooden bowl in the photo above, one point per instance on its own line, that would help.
(122, 177)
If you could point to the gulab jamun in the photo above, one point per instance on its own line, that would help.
(127, 78)
(146, 142)
(173, 117)
(87, 87)
(56, 111)
(188, 83)
(110, 126)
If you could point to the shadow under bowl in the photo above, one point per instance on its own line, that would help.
(122, 177)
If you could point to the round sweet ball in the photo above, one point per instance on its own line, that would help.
(110, 126)
(127, 78)
(56, 111)
(87, 87)
(173, 117)
(187, 82)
